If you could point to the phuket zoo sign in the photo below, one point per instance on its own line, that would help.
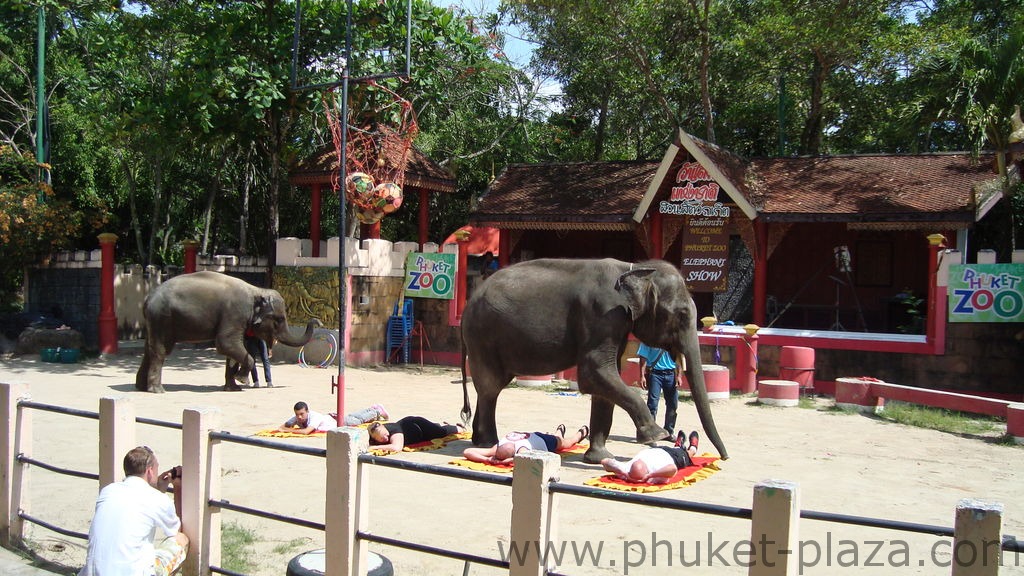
(429, 275)
(986, 293)
(705, 231)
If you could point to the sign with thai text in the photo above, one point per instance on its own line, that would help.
(695, 194)
(430, 275)
(705, 253)
(986, 293)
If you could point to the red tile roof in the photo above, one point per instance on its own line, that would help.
(870, 187)
(861, 188)
(600, 193)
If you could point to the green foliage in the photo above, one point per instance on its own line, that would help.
(33, 221)
(236, 547)
(940, 419)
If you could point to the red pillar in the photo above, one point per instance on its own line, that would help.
(461, 285)
(935, 330)
(107, 319)
(191, 246)
(760, 271)
(656, 236)
(370, 231)
(504, 248)
(314, 219)
(746, 361)
(424, 217)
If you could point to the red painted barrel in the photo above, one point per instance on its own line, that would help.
(716, 380)
(534, 381)
(778, 392)
(796, 363)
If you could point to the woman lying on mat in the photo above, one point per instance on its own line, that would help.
(655, 465)
(392, 437)
(505, 450)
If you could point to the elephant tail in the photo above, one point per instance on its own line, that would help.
(467, 412)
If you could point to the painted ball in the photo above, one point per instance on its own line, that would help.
(358, 185)
(388, 197)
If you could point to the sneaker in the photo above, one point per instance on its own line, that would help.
(381, 412)
(270, 384)
(694, 439)
(679, 439)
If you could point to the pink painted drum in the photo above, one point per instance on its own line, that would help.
(796, 363)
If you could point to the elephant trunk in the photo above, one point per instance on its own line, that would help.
(286, 338)
(695, 376)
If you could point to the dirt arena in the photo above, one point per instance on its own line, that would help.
(843, 463)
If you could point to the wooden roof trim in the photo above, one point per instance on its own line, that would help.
(716, 173)
(659, 177)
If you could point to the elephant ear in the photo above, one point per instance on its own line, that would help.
(261, 307)
(639, 291)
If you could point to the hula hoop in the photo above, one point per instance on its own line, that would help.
(332, 344)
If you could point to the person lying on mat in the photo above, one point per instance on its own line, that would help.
(307, 421)
(505, 450)
(655, 465)
(393, 436)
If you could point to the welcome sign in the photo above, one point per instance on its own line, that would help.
(430, 275)
(986, 293)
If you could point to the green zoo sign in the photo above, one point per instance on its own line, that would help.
(430, 275)
(986, 293)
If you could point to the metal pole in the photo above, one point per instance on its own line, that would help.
(40, 96)
(342, 175)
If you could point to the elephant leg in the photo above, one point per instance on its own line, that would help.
(600, 426)
(237, 354)
(609, 385)
(149, 378)
(488, 383)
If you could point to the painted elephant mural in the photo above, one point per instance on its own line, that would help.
(543, 316)
(205, 306)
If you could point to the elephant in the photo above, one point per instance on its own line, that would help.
(204, 306)
(546, 315)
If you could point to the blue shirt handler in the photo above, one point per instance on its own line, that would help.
(660, 375)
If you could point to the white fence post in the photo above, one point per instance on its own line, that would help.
(10, 524)
(200, 483)
(976, 538)
(774, 529)
(533, 516)
(346, 503)
(117, 436)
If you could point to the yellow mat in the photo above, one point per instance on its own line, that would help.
(703, 467)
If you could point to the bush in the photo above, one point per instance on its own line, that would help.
(33, 222)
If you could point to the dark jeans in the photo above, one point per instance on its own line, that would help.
(258, 350)
(658, 382)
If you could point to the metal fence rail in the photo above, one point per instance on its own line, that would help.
(249, 441)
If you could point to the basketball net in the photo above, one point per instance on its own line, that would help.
(378, 145)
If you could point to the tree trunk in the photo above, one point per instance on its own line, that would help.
(810, 140)
(602, 123)
(705, 64)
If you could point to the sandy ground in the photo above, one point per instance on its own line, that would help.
(843, 463)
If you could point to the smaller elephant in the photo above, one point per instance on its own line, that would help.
(205, 306)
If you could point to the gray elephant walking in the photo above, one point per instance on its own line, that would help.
(205, 306)
(543, 316)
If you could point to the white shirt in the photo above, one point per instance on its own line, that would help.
(129, 515)
(315, 420)
(525, 440)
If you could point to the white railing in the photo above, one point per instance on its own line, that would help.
(977, 542)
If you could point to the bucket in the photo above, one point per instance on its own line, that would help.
(716, 380)
(796, 363)
(50, 354)
(68, 355)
